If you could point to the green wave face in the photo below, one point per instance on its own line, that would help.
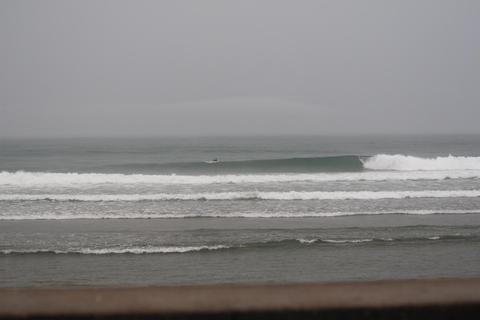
(316, 164)
(349, 163)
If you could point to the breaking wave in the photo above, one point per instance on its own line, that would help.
(365, 240)
(264, 244)
(133, 250)
(399, 162)
(257, 195)
(70, 216)
(347, 168)
(40, 179)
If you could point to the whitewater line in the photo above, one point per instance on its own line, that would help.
(103, 216)
(290, 195)
(398, 162)
(187, 249)
(84, 180)
(132, 250)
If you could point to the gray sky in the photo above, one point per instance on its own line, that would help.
(76, 68)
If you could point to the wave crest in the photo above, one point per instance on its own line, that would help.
(289, 195)
(262, 244)
(398, 162)
(70, 216)
(132, 250)
(84, 180)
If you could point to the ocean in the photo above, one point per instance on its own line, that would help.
(203, 210)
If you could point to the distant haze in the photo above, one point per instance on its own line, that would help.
(116, 68)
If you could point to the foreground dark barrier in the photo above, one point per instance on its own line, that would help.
(405, 299)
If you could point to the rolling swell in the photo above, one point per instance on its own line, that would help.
(342, 163)
(268, 244)
(380, 167)
(347, 163)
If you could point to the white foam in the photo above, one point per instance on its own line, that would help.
(400, 162)
(85, 180)
(307, 241)
(347, 240)
(132, 250)
(289, 195)
(142, 250)
(69, 216)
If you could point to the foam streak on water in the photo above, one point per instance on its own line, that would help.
(290, 195)
(132, 250)
(84, 180)
(285, 242)
(264, 215)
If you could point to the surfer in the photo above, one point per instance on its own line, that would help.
(214, 160)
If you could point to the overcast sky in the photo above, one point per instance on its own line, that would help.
(86, 68)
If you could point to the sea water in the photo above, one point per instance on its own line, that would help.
(161, 210)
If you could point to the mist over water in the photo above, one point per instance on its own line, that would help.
(250, 68)
(167, 142)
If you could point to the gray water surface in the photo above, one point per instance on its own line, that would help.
(152, 211)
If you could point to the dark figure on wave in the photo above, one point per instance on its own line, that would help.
(214, 160)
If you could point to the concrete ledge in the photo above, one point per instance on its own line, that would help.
(412, 299)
